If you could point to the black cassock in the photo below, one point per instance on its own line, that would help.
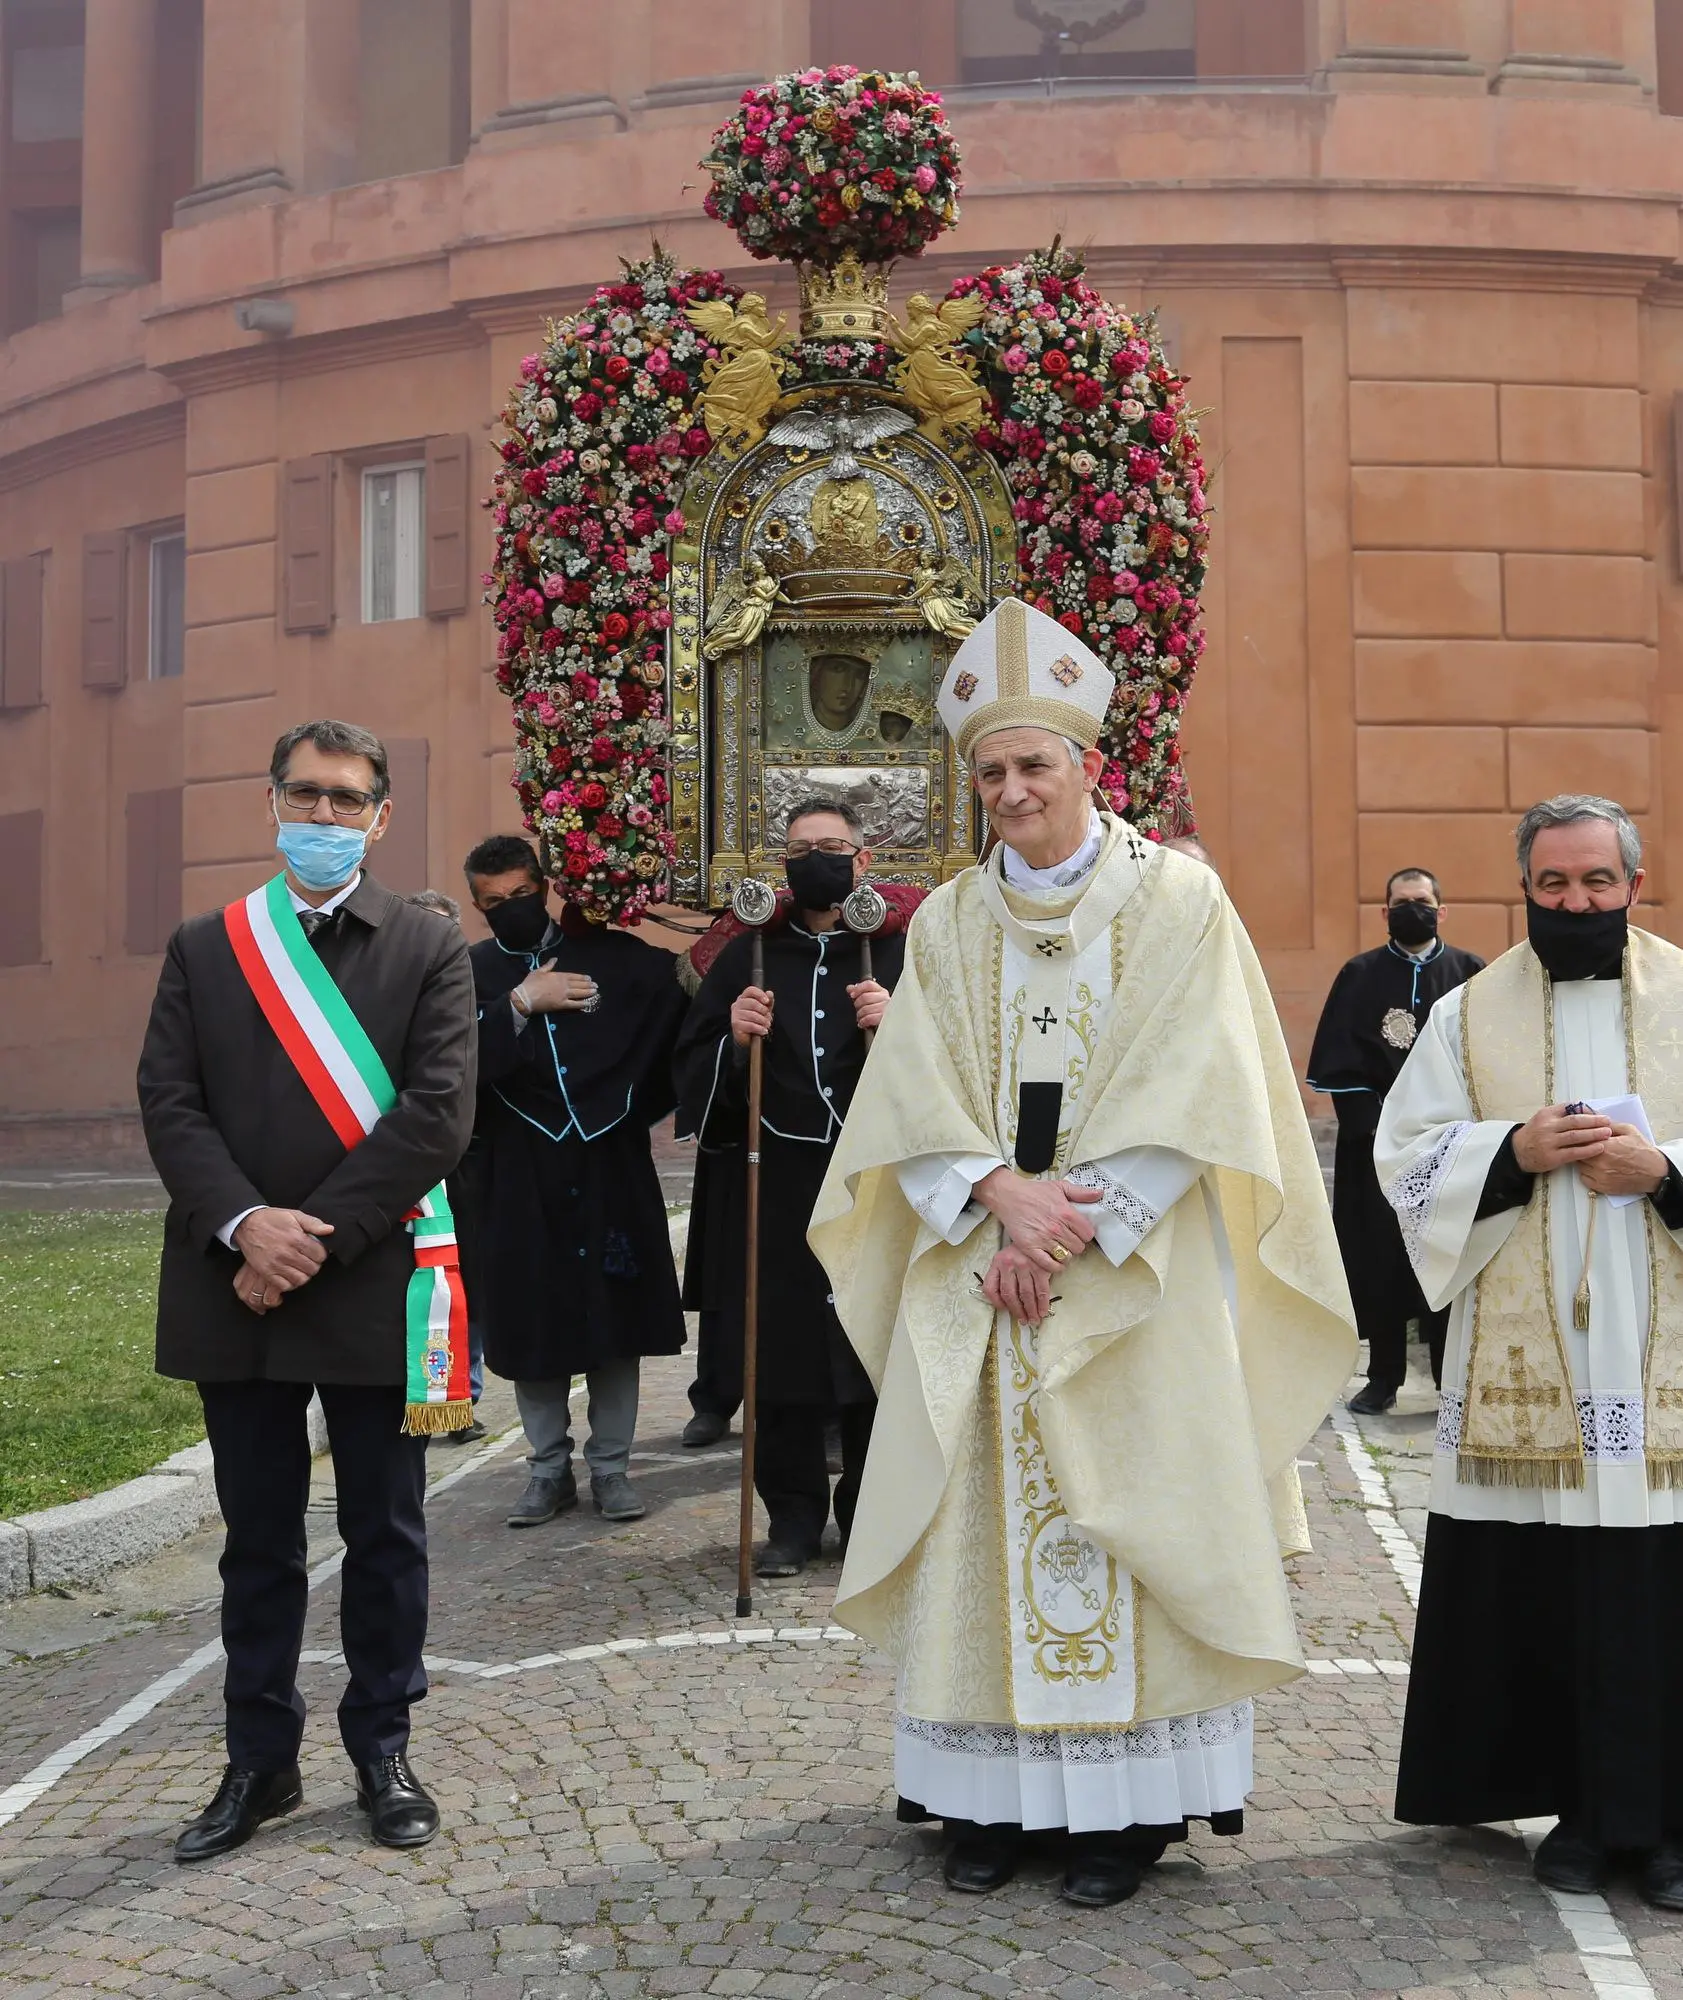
(1378, 1004)
(813, 1058)
(573, 1261)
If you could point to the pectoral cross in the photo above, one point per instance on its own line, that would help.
(1050, 947)
(1523, 1393)
(1044, 1020)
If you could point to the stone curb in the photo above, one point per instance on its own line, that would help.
(85, 1540)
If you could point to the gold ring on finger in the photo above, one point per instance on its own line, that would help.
(1060, 1253)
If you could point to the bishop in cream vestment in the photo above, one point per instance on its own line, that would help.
(1070, 1534)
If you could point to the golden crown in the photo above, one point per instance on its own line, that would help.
(847, 300)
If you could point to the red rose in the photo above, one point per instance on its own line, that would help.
(577, 865)
(1055, 361)
(1162, 426)
(1070, 621)
(618, 367)
(593, 795)
(697, 443)
(615, 626)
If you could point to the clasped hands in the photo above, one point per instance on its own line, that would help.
(1610, 1158)
(750, 1013)
(1045, 1228)
(282, 1249)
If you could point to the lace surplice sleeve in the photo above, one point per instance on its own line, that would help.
(1434, 1157)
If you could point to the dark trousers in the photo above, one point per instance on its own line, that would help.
(261, 1450)
(1387, 1348)
(791, 1470)
(717, 1388)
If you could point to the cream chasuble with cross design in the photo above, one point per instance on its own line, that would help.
(1070, 1535)
(1539, 1421)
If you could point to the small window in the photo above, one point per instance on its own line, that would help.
(167, 601)
(392, 528)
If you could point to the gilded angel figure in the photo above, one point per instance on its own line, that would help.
(740, 611)
(945, 594)
(934, 375)
(741, 385)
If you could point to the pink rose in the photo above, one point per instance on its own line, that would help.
(552, 802)
(924, 178)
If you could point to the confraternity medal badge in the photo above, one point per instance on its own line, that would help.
(737, 548)
(1399, 1027)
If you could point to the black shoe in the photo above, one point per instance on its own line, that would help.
(1099, 1873)
(474, 1433)
(1660, 1877)
(543, 1499)
(779, 1559)
(400, 1811)
(244, 1799)
(1373, 1401)
(983, 1859)
(704, 1428)
(1568, 1862)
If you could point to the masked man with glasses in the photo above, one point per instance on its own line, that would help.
(812, 1014)
(307, 1084)
(1377, 1006)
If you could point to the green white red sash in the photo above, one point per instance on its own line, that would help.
(342, 1071)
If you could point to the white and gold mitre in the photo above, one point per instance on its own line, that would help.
(1020, 669)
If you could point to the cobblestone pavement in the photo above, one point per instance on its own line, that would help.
(713, 1813)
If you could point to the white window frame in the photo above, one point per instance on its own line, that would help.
(409, 535)
(154, 606)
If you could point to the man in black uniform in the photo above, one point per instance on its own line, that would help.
(287, 1265)
(1372, 1015)
(813, 1012)
(573, 1259)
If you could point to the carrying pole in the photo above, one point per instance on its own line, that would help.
(865, 912)
(753, 903)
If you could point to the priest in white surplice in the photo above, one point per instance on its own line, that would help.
(1531, 1148)
(1078, 1236)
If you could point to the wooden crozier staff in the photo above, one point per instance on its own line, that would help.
(864, 913)
(754, 905)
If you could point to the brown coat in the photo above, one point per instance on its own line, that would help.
(231, 1126)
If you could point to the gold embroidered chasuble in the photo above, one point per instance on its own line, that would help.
(1080, 1525)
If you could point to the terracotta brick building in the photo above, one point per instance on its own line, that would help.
(269, 264)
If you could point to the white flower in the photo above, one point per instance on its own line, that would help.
(1083, 464)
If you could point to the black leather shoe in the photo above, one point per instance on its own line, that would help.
(1098, 1872)
(1660, 1877)
(778, 1559)
(400, 1810)
(543, 1499)
(704, 1428)
(1373, 1401)
(1568, 1862)
(983, 1859)
(244, 1799)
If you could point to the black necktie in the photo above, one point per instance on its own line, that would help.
(314, 922)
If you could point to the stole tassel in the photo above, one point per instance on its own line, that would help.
(1581, 1297)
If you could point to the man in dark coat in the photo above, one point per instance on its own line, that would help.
(576, 1029)
(286, 1269)
(812, 1013)
(1377, 1006)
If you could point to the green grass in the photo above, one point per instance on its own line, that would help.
(80, 1409)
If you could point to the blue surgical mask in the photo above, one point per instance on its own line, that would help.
(321, 857)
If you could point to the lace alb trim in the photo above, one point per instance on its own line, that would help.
(1139, 1216)
(1612, 1427)
(1208, 1730)
(1414, 1192)
(930, 1204)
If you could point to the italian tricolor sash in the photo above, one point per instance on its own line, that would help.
(342, 1071)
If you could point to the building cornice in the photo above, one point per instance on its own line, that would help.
(106, 437)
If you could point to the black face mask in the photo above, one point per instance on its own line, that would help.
(1412, 924)
(1577, 944)
(519, 923)
(819, 881)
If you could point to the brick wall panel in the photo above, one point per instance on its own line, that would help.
(1422, 423)
(225, 821)
(225, 584)
(1587, 513)
(1503, 680)
(1617, 763)
(1571, 427)
(1577, 597)
(229, 739)
(1472, 851)
(228, 509)
(1520, 336)
(1454, 595)
(228, 660)
(1413, 770)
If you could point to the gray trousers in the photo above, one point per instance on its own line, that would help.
(547, 1419)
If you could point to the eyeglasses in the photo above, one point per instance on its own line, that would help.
(344, 800)
(798, 850)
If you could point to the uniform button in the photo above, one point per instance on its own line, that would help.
(823, 972)
(581, 1251)
(828, 1092)
(818, 1052)
(561, 1070)
(818, 1013)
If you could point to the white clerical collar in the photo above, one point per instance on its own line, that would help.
(1062, 874)
(299, 906)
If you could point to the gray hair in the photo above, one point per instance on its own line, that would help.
(824, 802)
(337, 739)
(1569, 809)
(435, 899)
